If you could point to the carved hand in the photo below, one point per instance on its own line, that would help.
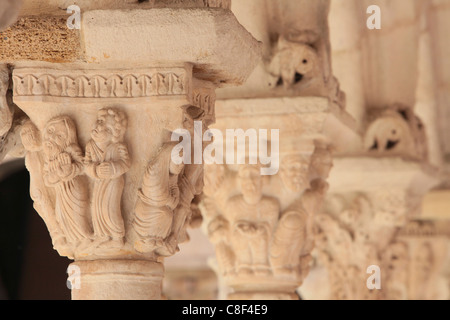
(64, 165)
(104, 170)
(64, 159)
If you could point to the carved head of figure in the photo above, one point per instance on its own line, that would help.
(295, 172)
(31, 137)
(397, 130)
(293, 63)
(110, 126)
(322, 162)
(59, 133)
(251, 183)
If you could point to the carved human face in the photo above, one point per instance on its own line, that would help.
(104, 129)
(322, 164)
(31, 138)
(251, 183)
(56, 138)
(295, 173)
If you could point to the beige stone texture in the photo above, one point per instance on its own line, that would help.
(364, 145)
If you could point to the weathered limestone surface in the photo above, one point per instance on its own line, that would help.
(362, 178)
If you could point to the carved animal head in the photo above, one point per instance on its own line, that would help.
(292, 64)
(389, 134)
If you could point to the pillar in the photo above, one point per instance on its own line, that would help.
(373, 197)
(259, 207)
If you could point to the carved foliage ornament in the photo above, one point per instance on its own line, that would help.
(346, 242)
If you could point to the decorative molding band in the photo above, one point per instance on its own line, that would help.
(93, 84)
(426, 229)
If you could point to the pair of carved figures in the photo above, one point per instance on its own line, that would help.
(260, 235)
(58, 170)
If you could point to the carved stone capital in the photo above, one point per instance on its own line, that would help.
(262, 226)
(105, 190)
(370, 201)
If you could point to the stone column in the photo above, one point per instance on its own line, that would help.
(102, 110)
(260, 219)
(262, 226)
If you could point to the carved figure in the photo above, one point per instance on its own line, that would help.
(158, 198)
(40, 194)
(106, 161)
(63, 171)
(253, 218)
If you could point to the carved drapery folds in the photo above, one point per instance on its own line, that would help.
(79, 219)
(78, 184)
(105, 191)
(99, 151)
